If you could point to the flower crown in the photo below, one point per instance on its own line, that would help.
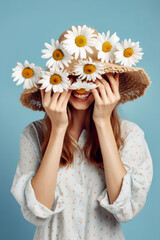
(77, 44)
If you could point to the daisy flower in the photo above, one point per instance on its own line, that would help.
(57, 54)
(55, 79)
(79, 41)
(128, 53)
(89, 70)
(27, 73)
(106, 46)
(81, 87)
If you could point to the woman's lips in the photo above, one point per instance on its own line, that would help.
(81, 99)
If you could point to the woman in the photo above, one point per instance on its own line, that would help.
(82, 170)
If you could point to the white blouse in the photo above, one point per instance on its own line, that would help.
(81, 210)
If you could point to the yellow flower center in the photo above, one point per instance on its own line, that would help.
(55, 79)
(80, 41)
(128, 52)
(57, 54)
(106, 47)
(27, 72)
(89, 68)
(82, 90)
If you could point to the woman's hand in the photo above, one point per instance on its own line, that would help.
(56, 107)
(108, 98)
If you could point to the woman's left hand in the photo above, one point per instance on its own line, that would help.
(108, 98)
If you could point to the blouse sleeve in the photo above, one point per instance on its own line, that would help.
(136, 183)
(29, 161)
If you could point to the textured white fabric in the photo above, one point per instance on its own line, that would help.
(81, 210)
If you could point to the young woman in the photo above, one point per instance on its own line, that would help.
(82, 170)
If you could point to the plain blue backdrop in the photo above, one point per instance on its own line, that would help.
(24, 27)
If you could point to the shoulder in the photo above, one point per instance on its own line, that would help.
(33, 131)
(129, 127)
(33, 127)
(135, 146)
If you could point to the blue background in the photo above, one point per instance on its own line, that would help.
(25, 26)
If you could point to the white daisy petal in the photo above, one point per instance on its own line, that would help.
(60, 88)
(52, 42)
(76, 54)
(26, 63)
(114, 39)
(54, 87)
(28, 84)
(17, 68)
(48, 88)
(16, 76)
(31, 83)
(20, 64)
(48, 55)
(50, 62)
(108, 34)
(31, 65)
(21, 80)
(25, 85)
(42, 87)
(47, 45)
(82, 53)
(45, 50)
(89, 49)
(74, 29)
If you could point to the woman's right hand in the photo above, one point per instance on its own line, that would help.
(56, 106)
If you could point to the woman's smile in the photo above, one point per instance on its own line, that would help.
(81, 97)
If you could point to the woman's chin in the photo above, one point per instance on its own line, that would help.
(81, 105)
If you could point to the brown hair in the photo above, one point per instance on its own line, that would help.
(91, 148)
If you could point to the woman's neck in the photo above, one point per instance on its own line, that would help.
(79, 119)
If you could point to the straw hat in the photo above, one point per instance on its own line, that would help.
(82, 47)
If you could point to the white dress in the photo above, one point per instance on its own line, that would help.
(81, 210)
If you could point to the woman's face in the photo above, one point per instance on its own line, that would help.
(77, 102)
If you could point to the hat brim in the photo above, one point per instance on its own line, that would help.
(133, 83)
(31, 98)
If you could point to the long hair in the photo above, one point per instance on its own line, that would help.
(91, 148)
